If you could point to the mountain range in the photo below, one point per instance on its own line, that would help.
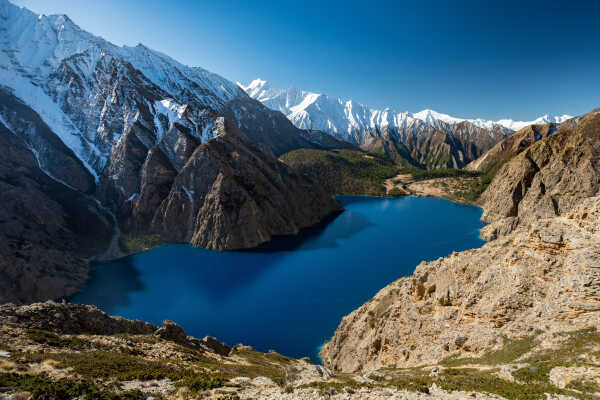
(137, 145)
(427, 138)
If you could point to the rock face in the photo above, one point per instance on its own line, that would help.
(511, 146)
(125, 142)
(242, 198)
(545, 276)
(541, 272)
(545, 179)
(171, 331)
(48, 230)
(71, 319)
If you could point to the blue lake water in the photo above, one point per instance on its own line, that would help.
(290, 295)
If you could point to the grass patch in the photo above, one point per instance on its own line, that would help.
(536, 373)
(54, 340)
(110, 365)
(584, 386)
(577, 343)
(199, 383)
(332, 388)
(510, 351)
(42, 388)
(140, 243)
(484, 381)
(271, 365)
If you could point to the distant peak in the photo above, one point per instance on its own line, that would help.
(257, 83)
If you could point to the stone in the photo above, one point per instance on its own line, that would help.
(497, 290)
(171, 331)
(216, 346)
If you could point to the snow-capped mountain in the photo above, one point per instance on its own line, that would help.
(129, 139)
(308, 110)
(360, 124)
(89, 91)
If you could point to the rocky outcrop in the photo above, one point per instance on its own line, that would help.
(511, 146)
(243, 197)
(70, 319)
(546, 178)
(544, 276)
(50, 348)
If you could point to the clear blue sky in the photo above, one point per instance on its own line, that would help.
(476, 58)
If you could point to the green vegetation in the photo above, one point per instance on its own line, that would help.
(331, 388)
(576, 343)
(395, 192)
(510, 351)
(140, 243)
(472, 184)
(52, 339)
(467, 379)
(42, 388)
(271, 365)
(452, 379)
(536, 373)
(585, 386)
(425, 174)
(114, 366)
(355, 172)
(200, 383)
(106, 364)
(343, 171)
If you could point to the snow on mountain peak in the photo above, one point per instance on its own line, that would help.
(310, 110)
(35, 47)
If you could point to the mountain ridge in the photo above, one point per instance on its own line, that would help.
(161, 151)
(263, 91)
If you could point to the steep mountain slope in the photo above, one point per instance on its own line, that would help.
(431, 139)
(511, 146)
(505, 302)
(546, 179)
(48, 229)
(174, 153)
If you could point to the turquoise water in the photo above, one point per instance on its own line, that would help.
(290, 295)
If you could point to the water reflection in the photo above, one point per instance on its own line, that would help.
(291, 294)
(111, 284)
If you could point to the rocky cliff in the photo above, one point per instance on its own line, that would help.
(544, 277)
(229, 194)
(546, 178)
(515, 300)
(125, 142)
(48, 229)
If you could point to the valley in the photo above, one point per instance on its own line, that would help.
(321, 248)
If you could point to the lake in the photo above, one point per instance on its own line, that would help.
(288, 296)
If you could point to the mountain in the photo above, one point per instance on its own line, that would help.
(426, 138)
(158, 150)
(536, 279)
(546, 179)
